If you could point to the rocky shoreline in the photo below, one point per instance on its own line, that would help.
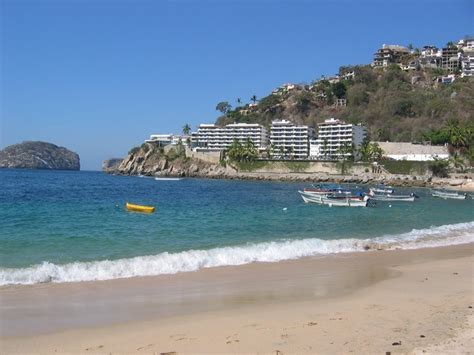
(148, 164)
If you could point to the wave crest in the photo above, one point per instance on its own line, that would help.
(192, 260)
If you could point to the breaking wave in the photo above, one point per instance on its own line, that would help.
(192, 260)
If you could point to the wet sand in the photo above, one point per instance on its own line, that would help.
(359, 302)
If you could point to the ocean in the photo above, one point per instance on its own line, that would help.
(59, 226)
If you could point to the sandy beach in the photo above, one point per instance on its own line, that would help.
(401, 301)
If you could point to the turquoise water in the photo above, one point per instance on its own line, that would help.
(72, 226)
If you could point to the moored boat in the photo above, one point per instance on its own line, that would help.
(139, 208)
(323, 190)
(383, 189)
(390, 197)
(345, 201)
(448, 195)
(335, 199)
(167, 179)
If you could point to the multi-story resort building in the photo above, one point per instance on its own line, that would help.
(166, 139)
(213, 137)
(389, 54)
(333, 135)
(450, 58)
(289, 140)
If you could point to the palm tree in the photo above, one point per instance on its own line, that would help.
(346, 150)
(186, 129)
(457, 161)
(325, 148)
(253, 98)
(239, 101)
(376, 152)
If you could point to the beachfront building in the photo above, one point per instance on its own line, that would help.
(389, 54)
(211, 137)
(289, 140)
(166, 139)
(413, 152)
(334, 137)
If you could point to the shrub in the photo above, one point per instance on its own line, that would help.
(133, 151)
(439, 168)
(145, 147)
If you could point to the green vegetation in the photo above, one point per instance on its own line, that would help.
(370, 151)
(134, 150)
(238, 152)
(178, 151)
(223, 107)
(186, 129)
(406, 167)
(440, 168)
(145, 147)
(250, 165)
(393, 104)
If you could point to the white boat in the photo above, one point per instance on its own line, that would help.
(309, 197)
(383, 189)
(346, 201)
(167, 179)
(334, 200)
(389, 197)
(446, 195)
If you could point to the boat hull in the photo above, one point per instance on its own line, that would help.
(333, 201)
(139, 208)
(448, 195)
(393, 198)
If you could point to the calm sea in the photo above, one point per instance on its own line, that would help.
(73, 226)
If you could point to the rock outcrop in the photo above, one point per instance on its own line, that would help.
(150, 161)
(111, 165)
(38, 155)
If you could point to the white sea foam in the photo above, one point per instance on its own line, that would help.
(192, 260)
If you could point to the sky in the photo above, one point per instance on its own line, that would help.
(100, 76)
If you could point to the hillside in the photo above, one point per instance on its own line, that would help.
(38, 155)
(394, 105)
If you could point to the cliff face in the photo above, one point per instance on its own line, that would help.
(111, 165)
(150, 161)
(38, 155)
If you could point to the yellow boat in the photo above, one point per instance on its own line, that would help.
(140, 208)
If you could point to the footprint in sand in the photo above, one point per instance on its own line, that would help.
(231, 339)
(94, 347)
(144, 347)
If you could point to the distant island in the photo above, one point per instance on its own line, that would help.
(38, 155)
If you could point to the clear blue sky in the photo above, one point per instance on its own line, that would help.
(100, 76)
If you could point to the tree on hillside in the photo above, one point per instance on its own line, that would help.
(186, 129)
(223, 107)
(339, 90)
(253, 98)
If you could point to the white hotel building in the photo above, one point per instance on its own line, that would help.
(165, 139)
(212, 137)
(333, 134)
(290, 140)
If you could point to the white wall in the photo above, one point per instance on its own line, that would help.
(417, 157)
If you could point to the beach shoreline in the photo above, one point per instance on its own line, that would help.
(362, 302)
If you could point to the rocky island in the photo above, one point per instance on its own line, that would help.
(38, 155)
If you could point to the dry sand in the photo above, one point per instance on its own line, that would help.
(402, 301)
